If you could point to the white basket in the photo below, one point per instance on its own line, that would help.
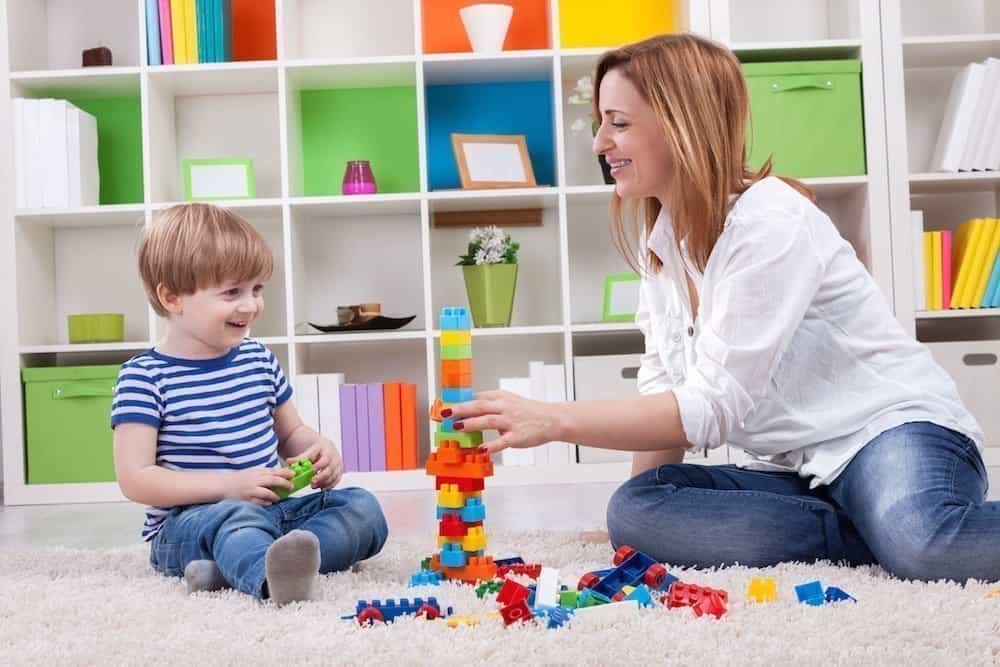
(975, 368)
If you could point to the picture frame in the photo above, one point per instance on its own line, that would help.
(621, 297)
(215, 179)
(490, 161)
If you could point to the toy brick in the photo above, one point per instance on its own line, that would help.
(557, 617)
(452, 395)
(532, 570)
(547, 591)
(474, 510)
(450, 496)
(452, 526)
(426, 578)
(456, 337)
(493, 586)
(464, 439)
(512, 592)
(517, 560)
(641, 595)
(516, 613)
(834, 594)
(455, 318)
(465, 485)
(762, 589)
(452, 555)
(810, 592)
(711, 603)
(304, 472)
(452, 380)
(447, 425)
(569, 599)
(590, 598)
(442, 462)
(475, 539)
(456, 352)
(477, 569)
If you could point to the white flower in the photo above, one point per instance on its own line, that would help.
(579, 125)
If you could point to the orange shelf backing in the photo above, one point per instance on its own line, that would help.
(444, 32)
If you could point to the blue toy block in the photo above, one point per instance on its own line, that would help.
(447, 425)
(473, 511)
(834, 594)
(810, 592)
(670, 580)
(441, 511)
(642, 596)
(515, 560)
(426, 578)
(452, 555)
(556, 617)
(455, 318)
(455, 395)
(391, 610)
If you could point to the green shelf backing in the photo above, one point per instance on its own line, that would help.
(119, 146)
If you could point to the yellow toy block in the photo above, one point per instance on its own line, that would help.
(762, 589)
(470, 619)
(475, 540)
(450, 496)
(627, 590)
(459, 337)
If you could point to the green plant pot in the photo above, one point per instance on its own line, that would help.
(96, 328)
(491, 293)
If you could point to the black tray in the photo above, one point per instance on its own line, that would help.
(377, 323)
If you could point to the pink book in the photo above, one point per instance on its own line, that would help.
(166, 34)
(946, 269)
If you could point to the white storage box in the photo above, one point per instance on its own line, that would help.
(613, 376)
(975, 368)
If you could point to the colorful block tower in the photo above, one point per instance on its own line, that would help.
(459, 469)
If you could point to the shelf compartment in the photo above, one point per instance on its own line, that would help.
(324, 29)
(949, 50)
(802, 20)
(582, 166)
(958, 17)
(824, 49)
(81, 269)
(444, 32)
(225, 110)
(342, 259)
(358, 205)
(934, 183)
(630, 21)
(132, 215)
(51, 34)
(340, 112)
(592, 257)
(491, 200)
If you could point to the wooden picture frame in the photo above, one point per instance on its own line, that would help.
(214, 179)
(621, 297)
(489, 161)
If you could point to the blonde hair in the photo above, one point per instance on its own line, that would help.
(193, 246)
(697, 91)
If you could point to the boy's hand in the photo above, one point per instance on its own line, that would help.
(326, 461)
(253, 485)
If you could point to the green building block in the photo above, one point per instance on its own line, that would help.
(492, 586)
(456, 351)
(465, 439)
(569, 599)
(303, 475)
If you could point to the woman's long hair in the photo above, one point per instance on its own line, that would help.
(697, 90)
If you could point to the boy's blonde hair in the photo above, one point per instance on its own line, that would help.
(192, 246)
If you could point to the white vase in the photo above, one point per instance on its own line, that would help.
(486, 25)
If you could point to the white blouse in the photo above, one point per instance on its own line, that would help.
(795, 357)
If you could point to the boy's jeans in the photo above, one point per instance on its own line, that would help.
(911, 500)
(236, 534)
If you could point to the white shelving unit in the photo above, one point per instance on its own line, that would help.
(924, 45)
(331, 250)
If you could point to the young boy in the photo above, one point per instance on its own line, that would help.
(201, 418)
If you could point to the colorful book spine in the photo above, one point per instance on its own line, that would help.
(980, 245)
(936, 267)
(227, 30)
(992, 247)
(349, 427)
(376, 426)
(928, 271)
(392, 400)
(408, 422)
(946, 269)
(364, 433)
(191, 30)
(154, 52)
(178, 26)
(201, 26)
(992, 287)
(166, 32)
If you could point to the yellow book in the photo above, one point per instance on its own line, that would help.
(191, 30)
(936, 263)
(984, 276)
(978, 261)
(177, 19)
(961, 256)
(929, 270)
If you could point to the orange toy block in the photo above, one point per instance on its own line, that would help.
(450, 460)
(479, 568)
(435, 413)
(456, 373)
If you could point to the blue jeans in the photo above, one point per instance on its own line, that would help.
(912, 500)
(236, 534)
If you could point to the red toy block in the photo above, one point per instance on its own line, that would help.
(701, 598)
(511, 593)
(464, 484)
(451, 526)
(712, 602)
(533, 570)
(516, 613)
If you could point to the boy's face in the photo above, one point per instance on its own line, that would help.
(219, 317)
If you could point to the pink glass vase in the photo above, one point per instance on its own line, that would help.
(358, 178)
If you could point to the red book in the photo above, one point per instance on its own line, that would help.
(254, 34)
(392, 397)
(408, 423)
(946, 269)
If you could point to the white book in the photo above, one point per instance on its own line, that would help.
(20, 196)
(34, 181)
(555, 392)
(90, 173)
(517, 457)
(329, 406)
(307, 399)
(73, 156)
(536, 374)
(986, 119)
(954, 132)
(55, 169)
(919, 284)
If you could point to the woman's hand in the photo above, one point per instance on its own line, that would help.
(521, 422)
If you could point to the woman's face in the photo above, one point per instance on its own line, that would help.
(631, 140)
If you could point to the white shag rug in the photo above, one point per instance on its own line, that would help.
(107, 607)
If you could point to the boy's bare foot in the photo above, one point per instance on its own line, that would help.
(204, 575)
(595, 536)
(292, 567)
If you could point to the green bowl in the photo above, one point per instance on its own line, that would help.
(96, 328)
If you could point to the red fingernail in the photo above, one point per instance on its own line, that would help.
(446, 412)
(458, 426)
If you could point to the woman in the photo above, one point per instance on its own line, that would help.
(762, 331)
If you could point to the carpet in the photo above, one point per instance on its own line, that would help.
(106, 607)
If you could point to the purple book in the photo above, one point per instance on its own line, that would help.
(349, 427)
(364, 439)
(376, 426)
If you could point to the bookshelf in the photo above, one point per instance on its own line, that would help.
(336, 76)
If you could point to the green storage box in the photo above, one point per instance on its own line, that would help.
(807, 114)
(67, 413)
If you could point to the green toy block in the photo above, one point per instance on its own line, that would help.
(492, 587)
(569, 599)
(465, 439)
(303, 475)
(456, 351)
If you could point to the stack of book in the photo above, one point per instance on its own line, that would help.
(186, 32)
(545, 382)
(374, 425)
(969, 138)
(55, 155)
(957, 271)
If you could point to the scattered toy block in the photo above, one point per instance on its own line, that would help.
(493, 586)
(512, 592)
(519, 612)
(452, 555)
(547, 590)
(811, 593)
(834, 594)
(426, 578)
(569, 599)
(762, 589)
(641, 595)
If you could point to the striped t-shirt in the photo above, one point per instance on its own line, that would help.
(210, 414)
